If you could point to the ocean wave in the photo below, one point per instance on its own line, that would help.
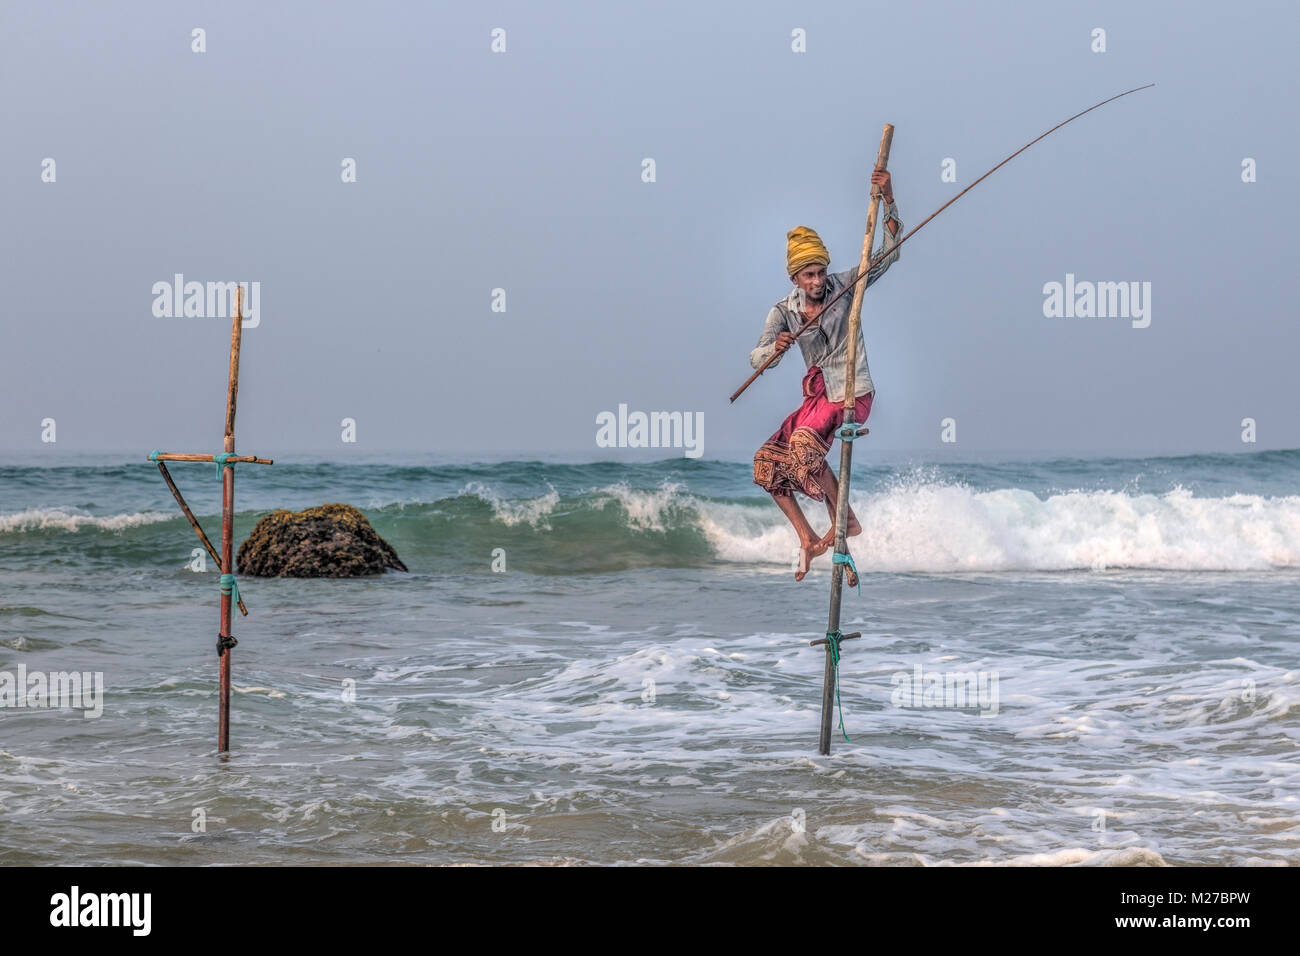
(946, 527)
(510, 512)
(934, 526)
(912, 522)
(60, 519)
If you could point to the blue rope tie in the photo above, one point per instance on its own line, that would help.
(848, 431)
(228, 586)
(838, 558)
(833, 645)
(220, 460)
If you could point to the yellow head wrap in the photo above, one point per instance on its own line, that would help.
(803, 247)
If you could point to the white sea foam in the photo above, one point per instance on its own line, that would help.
(647, 510)
(938, 527)
(510, 512)
(73, 519)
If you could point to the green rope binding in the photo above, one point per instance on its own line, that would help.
(228, 586)
(153, 455)
(838, 558)
(833, 645)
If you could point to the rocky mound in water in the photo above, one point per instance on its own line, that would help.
(328, 541)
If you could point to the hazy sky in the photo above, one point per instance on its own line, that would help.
(522, 171)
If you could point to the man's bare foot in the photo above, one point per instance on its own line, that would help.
(828, 540)
(807, 551)
(804, 560)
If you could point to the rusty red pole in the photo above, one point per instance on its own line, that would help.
(227, 567)
(225, 461)
(225, 641)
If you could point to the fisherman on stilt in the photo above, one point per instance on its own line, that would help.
(794, 459)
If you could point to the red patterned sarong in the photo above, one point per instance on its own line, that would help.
(791, 459)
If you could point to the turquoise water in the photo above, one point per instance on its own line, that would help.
(636, 684)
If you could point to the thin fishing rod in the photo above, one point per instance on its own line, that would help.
(915, 229)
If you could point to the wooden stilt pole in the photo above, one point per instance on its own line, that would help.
(225, 641)
(226, 559)
(833, 636)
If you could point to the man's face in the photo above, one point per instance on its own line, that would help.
(812, 280)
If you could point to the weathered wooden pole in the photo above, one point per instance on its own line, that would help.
(848, 431)
(225, 640)
(194, 456)
(225, 462)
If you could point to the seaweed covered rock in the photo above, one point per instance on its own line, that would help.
(328, 541)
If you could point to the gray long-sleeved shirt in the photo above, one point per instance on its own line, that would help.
(826, 343)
